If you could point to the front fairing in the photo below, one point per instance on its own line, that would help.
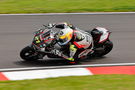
(42, 38)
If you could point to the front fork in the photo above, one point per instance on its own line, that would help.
(37, 53)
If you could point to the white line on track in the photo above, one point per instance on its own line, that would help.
(71, 66)
(92, 13)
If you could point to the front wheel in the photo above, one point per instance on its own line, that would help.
(28, 54)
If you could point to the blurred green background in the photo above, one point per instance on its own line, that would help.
(96, 82)
(59, 6)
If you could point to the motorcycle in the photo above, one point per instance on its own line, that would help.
(44, 41)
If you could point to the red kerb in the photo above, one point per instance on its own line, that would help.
(3, 77)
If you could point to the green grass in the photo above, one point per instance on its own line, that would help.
(55, 6)
(96, 82)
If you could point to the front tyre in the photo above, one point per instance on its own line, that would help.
(28, 54)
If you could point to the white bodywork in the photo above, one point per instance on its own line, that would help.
(87, 41)
(105, 34)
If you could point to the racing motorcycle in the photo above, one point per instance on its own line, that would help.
(44, 41)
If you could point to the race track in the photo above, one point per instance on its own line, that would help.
(17, 31)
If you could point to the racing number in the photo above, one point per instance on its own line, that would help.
(37, 39)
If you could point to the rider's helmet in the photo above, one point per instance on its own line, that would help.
(65, 35)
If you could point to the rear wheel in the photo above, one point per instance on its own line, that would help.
(105, 49)
(28, 54)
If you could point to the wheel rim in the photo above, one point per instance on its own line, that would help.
(29, 54)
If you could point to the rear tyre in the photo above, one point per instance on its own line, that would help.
(28, 54)
(107, 47)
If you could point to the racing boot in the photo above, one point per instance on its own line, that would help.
(72, 53)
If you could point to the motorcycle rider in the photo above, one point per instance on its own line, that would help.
(75, 39)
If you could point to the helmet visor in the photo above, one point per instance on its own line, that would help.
(63, 40)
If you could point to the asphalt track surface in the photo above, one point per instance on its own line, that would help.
(16, 32)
